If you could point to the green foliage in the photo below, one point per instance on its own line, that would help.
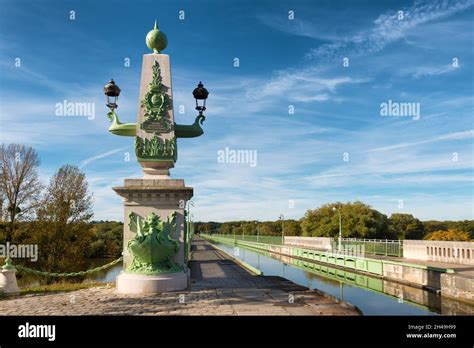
(463, 226)
(450, 234)
(107, 239)
(206, 227)
(358, 221)
(61, 229)
(405, 226)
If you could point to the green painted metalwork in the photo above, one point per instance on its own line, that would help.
(376, 246)
(71, 274)
(181, 131)
(156, 149)
(119, 128)
(190, 131)
(8, 264)
(152, 247)
(154, 101)
(276, 240)
(156, 39)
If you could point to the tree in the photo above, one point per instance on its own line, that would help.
(465, 225)
(406, 226)
(358, 221)
(19, 183)
(106, 239)
(450, 234)
(62, 231)
(292, 228)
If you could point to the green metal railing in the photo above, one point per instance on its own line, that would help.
(385, 247)
(277, 240)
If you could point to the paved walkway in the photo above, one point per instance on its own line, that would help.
(219, 286)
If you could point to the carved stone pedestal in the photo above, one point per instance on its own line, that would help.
(162, 197)
(151, 284)
(8, 283)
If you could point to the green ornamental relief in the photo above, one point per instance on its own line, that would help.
(156, 148)
(152, 247)
(155, 103)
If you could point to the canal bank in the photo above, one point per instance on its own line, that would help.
(454, 282)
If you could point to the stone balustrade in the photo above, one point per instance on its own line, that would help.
(440, 251)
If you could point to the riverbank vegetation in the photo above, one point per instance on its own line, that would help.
(358, 220)
(55, 217)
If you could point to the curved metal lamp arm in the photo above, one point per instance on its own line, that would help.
(190, 131)
(122, 129)
(181, 131)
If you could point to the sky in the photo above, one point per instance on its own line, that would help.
(305, 100)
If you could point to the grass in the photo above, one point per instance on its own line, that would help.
(54, 288)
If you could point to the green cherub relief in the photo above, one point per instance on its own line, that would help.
(152, 247)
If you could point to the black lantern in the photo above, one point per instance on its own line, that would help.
(200, 94)
(112, 91)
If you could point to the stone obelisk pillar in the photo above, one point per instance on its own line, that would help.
(154, 206)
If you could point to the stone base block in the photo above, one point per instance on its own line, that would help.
(128, 283)
(8, 283)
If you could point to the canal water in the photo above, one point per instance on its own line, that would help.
(373, 296)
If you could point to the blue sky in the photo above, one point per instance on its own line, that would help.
(395, 164)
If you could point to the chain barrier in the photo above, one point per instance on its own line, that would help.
(73, 274)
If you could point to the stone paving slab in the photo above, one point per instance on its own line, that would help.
(219, 287)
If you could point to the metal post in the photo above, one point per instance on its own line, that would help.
(186, 225)
(282, 218)
(386, 247)
(340, 229)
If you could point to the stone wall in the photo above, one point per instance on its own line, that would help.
(440, 251)
(412, 274)
(457, 286)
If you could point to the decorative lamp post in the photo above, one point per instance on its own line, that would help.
(155, 205)
(200, 94)
(282, 218)
(340, 227)
(112, 92)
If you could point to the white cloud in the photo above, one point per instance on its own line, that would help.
(451, 136)
(422, 71)
(102, 155)
(388, 28)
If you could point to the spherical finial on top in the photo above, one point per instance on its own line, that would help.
(156, 40)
